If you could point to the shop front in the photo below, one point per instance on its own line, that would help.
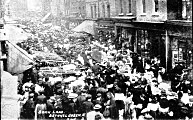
(145, 39)
(105, 29)
(181, 43)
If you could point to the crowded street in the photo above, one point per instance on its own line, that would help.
(55, 67)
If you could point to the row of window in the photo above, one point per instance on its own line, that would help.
(105, 11)
(128, 4)
(125, 4)
(122, 5)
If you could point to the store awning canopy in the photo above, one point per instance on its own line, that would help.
(46, 55)
(18, 59)
(45, 17)
(87, 26)
(77, 35)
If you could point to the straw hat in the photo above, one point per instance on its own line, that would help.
(89, 96)
(97, 106)
(72, 95)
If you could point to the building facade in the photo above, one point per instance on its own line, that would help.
(75, 8)
(179, 32)
(15, 8)
(99, 8)
(46, 7)
(149, 28)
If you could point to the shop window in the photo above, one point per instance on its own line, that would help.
(142, 43)
(183, 51)
(151, 44)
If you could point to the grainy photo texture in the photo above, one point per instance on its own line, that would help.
(96, 59)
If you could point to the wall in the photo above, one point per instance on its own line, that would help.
(100, 11)
(17, 8)
(46, 8)
(90, 3)
(176, 10)
(35, 5)
(150, 14)
(77, 8)
(114, 8)
(66, 7)
(55, 7)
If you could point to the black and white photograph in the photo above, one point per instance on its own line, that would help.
(96, 59)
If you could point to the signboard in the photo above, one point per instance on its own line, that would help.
(176, 57)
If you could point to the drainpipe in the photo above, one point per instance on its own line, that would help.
(166, 43)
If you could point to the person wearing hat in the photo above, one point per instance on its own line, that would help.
(88, 105)
(163, 110)
(93, 115)
(99, 100)
(178, 69)
(80, 99)
(40, 85)
(29, 107)
(153, 106)
(50, 106)
(72, 107)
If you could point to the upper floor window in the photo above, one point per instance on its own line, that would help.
(121, 6)
(187, 9)
(95, 10)
(156, 5)
(103, 9)
(91, 11)
(129, 3)
(108, 10)
(144, 6)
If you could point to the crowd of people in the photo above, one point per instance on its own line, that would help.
(107, 93)
(116, 84)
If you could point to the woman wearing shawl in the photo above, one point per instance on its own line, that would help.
(129, 112)
(111, 105)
